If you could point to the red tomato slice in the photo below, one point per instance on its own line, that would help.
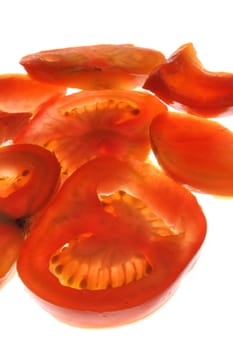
(186, 85)
(113, 244)
(94, 67)
(19, 93)
(88, 124)
(28, 176)
(11, 125)
(11, 239)
(195, 151)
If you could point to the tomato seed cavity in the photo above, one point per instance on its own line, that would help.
(116, 110)
(92, 264)
(121, 204)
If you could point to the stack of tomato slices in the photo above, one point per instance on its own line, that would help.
(101, 235)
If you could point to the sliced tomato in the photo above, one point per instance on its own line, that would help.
(81, 126)
(113, 244)
(28, 176)
(19, 93)
(94, 67)
(11, 125)
(11, 239)
(183, 83)
(195, 151)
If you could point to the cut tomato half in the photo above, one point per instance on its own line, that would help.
(112, 245)
(28, 176)
(186, 85)
(11, 239)
(194, 151)
(87, 124)
(94, 67)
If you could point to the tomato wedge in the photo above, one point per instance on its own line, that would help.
(19, 93)
(94, 67)
(195, 151)
(11, 239)
(87, 124)
(28, 176)
(113, 244)
(183, 83)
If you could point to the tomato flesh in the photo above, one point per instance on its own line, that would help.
(87, 124)
(23, 170)
(21, 94)
(94, 67)
(183, 83)
(11, 240)
(192, 150)
(12, 124)
(106, 236)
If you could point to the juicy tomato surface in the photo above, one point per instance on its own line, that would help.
(113, 244)
(186, 85)
(28, 176)
(19, 93)
(94, 67)
(11, 239)
(87, 124)
(195, 151)
(12, 124)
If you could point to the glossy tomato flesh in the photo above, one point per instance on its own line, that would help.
(183, 83)
(12, 124)
(94, 67)
(194, 151)
(84, 125)
(29, 174)
(11, 239)
(19, 93)
(112, 245)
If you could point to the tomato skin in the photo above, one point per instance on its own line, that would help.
(11, 239)
(21, 94)
(94, 67)
(87, 124)
(194, 151)
(93, 319)
(183, 83)
(23, 170)
(76, 209)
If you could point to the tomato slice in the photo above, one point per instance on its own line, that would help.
(28, 176)
(183, 83)
(83, 125)
(19, 93)
(195, 151)
(12, 124)
(113, 244)
(94, 67)
(11, 239)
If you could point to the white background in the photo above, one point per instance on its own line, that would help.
(200, 315)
